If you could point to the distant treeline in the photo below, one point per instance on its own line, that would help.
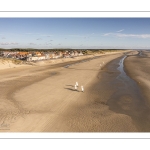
(30, 49)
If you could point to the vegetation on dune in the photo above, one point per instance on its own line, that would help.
(100, 51)
(11, 60)
(16, 61)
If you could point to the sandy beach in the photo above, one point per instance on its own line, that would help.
(42, 98)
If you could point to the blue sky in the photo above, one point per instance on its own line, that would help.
(128, 33)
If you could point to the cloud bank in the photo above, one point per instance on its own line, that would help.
(143, 36)
(13, 43)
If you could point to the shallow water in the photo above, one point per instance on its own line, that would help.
(129, 100)
(121, 69)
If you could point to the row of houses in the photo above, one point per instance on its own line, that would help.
(36, 55)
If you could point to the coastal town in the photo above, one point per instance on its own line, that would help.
(39, 55)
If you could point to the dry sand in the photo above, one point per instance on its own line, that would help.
(42, 98)
(8, 63)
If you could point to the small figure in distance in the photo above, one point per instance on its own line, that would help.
(75, 87)
(77, 84)
(82, 88)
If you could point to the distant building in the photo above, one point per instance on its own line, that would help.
(80, 53)
(75, 53)
(36, 58)
(51, 55)
(37, 55)
(72, 53)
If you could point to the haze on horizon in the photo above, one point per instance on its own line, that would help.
(47, 33)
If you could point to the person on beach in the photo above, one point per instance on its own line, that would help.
(77, 84)
(75, 87)
(82, 88)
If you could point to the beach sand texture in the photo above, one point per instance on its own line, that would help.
(43, 99)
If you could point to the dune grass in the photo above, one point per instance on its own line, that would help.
(10, 60)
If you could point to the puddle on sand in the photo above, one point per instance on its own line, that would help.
(128, 99)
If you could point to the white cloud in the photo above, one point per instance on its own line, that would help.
(120, 30)
(107, 34)
(143, 36)
(14, 43)
(4, 43)
(7, 43)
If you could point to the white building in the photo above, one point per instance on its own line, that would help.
(36, 58)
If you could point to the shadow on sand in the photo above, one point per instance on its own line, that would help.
(84, 69)
(71, 89)
(70, 85)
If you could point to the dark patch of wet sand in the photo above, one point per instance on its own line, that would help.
(137, 67)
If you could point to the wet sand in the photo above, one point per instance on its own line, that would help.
(137, 67)
(43, 99)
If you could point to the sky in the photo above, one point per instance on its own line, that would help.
(75, 33)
